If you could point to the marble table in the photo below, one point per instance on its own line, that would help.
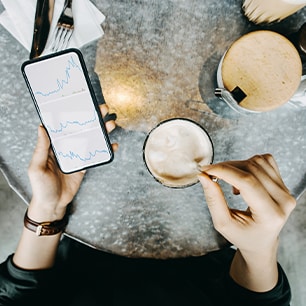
(156, 60)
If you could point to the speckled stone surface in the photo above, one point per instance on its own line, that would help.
(156, 60)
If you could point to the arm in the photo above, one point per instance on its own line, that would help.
(52, 192)
(255, 231)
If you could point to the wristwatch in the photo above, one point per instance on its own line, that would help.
(45, 228)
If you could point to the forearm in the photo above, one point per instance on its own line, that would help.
(36, 252)
(257, 272)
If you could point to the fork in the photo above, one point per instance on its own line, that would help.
(64, 28)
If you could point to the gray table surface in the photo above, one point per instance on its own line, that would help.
(163, 56)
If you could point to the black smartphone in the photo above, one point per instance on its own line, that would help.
(66, 104)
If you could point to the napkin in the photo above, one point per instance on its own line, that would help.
(18, 19)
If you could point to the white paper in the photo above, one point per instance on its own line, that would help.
(18, 19)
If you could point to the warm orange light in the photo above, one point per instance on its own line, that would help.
(131, 91)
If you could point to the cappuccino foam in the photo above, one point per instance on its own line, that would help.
(175, 150)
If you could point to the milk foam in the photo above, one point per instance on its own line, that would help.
(174, 151)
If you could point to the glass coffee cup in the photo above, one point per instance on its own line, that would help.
(175, 150)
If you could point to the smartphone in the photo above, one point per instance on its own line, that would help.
(66, 104)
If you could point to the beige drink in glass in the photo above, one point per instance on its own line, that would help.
(174, 151)
(264, 66)
(267, 11)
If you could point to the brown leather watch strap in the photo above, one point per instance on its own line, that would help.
(45, 228)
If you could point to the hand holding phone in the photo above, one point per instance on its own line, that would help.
(64, 98)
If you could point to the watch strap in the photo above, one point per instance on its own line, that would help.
(45, 228)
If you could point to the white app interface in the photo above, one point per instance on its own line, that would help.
(67, 111)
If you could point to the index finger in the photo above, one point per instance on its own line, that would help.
(251, 189)
(109, 119)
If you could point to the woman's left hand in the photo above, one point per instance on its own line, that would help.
(52, 189)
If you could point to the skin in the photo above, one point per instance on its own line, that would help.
(52, 192)
(255, 232)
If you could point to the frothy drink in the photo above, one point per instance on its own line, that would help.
(174, 151)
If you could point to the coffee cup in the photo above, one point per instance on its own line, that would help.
(175, 150)
(263, 11)
(259, 72)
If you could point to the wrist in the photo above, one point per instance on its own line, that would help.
(255, 271)
(42, 213)
(45, 228)
(260, 256)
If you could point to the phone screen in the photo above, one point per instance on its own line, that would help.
(63, 96)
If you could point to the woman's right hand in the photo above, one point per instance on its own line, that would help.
(254, 231)
(270, 203)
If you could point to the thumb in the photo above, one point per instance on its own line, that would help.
(216, 202)
(41, 152)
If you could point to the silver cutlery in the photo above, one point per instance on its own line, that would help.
(42, 22)
(64, 28)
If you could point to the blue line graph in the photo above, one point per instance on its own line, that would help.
(72, 155)
(61, 83)
(68, 123)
